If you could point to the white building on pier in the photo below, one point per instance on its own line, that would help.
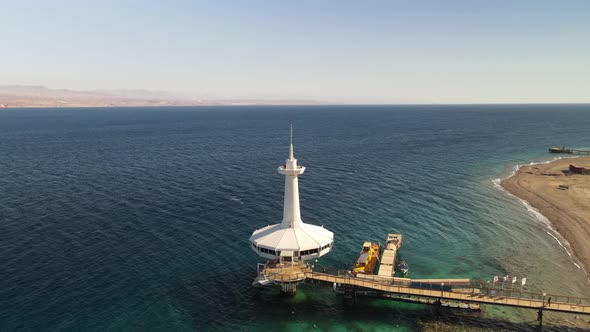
(291, 241)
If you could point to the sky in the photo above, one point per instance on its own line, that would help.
(516, 51)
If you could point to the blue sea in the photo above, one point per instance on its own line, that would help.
(138, 219)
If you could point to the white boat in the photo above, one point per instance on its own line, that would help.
(261, 280)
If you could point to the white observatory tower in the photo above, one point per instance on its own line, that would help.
(292, 242)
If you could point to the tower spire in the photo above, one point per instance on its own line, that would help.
(291, 157)
(292, 242)
(291, 213)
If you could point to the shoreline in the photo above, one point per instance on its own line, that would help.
(567, 209)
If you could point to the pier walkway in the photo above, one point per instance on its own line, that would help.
(387, 261)
(562, 149)
(461, 292)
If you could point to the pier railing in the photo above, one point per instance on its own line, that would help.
(464, 290)
(510, 291)
(283, 273)
(474, 291)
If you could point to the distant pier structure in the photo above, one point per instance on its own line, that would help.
(563, 149)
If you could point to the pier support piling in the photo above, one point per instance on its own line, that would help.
(288, 288)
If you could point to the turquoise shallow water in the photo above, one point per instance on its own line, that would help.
(139, 218)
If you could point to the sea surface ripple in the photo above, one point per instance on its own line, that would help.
(130, 219)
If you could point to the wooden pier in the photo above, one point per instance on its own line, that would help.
(440, 290)
(463, 292)
(388, 258)
(457, 293)
(563, 149)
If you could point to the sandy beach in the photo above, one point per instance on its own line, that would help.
(567, 207)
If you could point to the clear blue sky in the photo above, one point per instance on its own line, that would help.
(357, 51)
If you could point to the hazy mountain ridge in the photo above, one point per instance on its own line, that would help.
(39, 96)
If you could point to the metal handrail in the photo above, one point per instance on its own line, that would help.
(474, 290)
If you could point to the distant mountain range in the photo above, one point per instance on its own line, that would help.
(14, 96)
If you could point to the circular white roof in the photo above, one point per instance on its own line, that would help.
(303, 237)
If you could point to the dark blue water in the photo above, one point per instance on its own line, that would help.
(131, 219)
